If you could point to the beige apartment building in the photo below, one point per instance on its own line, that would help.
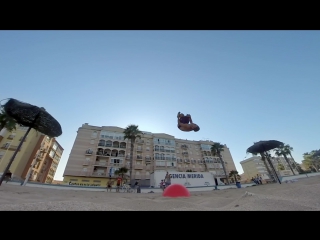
(254, 166)
(37, 150)
(99, 151)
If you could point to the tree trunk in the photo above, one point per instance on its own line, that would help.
(224, 168)
(295, 165)
(131, 156)
(285, 157)
(267, 167)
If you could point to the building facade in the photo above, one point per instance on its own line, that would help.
(37, 150)
(254, 166)
(99, 151)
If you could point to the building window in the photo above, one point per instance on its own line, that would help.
(94, 134)
(73, 179)
(51, 154)
(55, 146)
(85, 180)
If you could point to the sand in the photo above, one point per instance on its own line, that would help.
(302, 195)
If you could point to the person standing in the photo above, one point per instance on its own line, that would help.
(119, 180)
(167, 179)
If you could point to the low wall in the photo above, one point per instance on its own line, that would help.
(103, 189)
(304, 175)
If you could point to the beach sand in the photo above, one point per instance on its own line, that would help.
(302, 195)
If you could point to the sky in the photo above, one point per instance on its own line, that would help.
(240, 87)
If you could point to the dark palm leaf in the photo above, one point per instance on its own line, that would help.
(25, 114)
(263, 146)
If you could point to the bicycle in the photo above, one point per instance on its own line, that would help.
(126, 188)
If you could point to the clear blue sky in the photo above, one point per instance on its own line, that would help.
(239, 86)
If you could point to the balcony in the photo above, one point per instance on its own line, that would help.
(76, 173)
(101, 154)
(117, 164)
(99, 174)
(116, 146)
(88, 152)
(9, 147)
(101, 164)
(127, 157)
(139, 141)
(184, 147)
(139, 166)
(123, 146)
(139, 149)
(148, 158)
(139, 157)
(11, 137)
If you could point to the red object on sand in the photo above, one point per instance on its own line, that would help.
(176, 190)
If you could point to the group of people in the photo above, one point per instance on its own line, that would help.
(257, 180)
(165, 182)
(119, 184)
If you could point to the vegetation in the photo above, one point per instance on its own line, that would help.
(311, 160)
(235, 175)
(284, 151)
(216, 150)
(132, 133)
(121, 172)
(7, 122)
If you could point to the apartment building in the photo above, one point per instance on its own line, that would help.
(99, 151)
(254, 166)
(37, 150)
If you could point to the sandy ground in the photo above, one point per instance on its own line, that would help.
(302, 195)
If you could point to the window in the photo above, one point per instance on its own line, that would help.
(73, 179)
(116, 161)
(94, 134)
(147, 149)
(51, 154)
(55, 146)
(2, 154)
(85, 180)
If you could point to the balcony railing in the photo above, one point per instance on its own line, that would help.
(139, 149)
(77, 173)
(148, 158)
(88, 152)
(139, 141)
(99, 174)
(10, 136)
(9, 147)
(139, 157)
(97, 163)
(139, 167)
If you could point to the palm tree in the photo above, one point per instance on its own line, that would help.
(283, 152)
(121, 171)
(235, 175)
(7, 122)
(289, 149)
(311, 159)
(131, 133)
(263, 158)
(216, 150)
